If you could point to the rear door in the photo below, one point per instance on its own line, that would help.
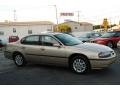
(32, 48)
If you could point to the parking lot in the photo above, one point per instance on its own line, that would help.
(47, 75)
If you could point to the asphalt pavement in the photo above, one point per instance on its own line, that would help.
(33, 74)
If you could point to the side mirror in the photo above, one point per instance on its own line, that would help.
(57, 45)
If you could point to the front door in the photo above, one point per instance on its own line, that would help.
(52, 54)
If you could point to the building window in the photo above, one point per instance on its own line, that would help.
(1, 33)
(29, 31)
(49, 30)
(80, 24)
(14, 30)
(75, 27)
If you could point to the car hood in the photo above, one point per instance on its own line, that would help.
(94, 47)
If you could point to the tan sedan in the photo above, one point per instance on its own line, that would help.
(60, 49)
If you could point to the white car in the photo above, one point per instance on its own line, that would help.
(118, 44)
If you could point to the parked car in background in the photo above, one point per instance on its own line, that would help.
(1, 44)
(3, 41)
(13, 39)
(60, 49)
(109, 39)
(86, 36)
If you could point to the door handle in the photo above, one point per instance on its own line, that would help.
(42, 49)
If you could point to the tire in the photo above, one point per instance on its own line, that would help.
(19, 60)
(80, 64)
(110, 44)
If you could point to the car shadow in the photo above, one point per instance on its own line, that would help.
(60, 69)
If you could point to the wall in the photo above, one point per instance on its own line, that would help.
(80, 27)
(23, 30)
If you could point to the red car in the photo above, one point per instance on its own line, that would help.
(109, 39)
(13, 39)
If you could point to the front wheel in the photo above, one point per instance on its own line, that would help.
(19, 60)
(80, 64)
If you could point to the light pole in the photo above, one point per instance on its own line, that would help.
(15, 17)
(56, 11)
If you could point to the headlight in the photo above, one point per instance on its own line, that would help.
(105, 54)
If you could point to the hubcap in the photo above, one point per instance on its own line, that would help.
(18, 59)
(79, 65)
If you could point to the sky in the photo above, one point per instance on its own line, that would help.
(92, 11)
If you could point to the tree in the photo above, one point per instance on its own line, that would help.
(97, 27)
(105, 24)
(63, 28)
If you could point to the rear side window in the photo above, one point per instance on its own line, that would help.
(31, 40)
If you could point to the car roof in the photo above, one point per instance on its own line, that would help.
(52, 33)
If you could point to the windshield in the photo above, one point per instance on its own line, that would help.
(108, 35)
(68, 40)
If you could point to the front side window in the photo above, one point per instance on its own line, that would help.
(68, 40)
(48, 40)
(31, 40)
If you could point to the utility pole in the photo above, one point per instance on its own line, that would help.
(78, 15)
(14, 14)
(56, 15)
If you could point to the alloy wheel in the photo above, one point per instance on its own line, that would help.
(19, 60)
(79, 65)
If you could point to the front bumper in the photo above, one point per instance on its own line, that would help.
(99, 64)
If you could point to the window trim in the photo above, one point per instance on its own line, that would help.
(23, 39)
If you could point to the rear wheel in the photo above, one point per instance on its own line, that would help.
(19, 60)
(80, 64)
